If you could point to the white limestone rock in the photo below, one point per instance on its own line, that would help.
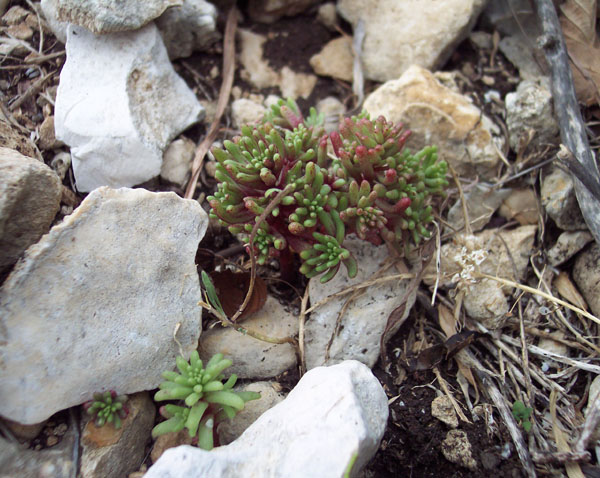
(334, 414)
(119, 104)
(253, 358)
(438, 115)
(334, 111)
(401, 33)
(109, 16)
(30, 195)
(586, 274)
(365, 318)
(245, 111)
(188, 28)
(481, 202)
(530, 108)
(567, 245)
(335, 59)
(95, 303)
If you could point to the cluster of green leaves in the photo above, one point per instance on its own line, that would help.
(522, 414)
(373, 187)
(107, 407)
(205, 399)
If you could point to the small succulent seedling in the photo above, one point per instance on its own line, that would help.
(107, 407)
(373, 188)
(206, 399)
(522, 414)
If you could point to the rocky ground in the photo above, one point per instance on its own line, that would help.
(500, 308)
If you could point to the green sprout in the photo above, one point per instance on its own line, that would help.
(207, 401)
(522, 414)
(107, 407)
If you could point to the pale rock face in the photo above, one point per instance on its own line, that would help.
(335, 59)
(334, 110)
(245, 111)
(251, 357)
(485, 302)
(481, 202)
(364, 319)
(30, 195)
(332, 415)
(439, 116)
(457, 448)
(188, 28)
(96, 302)
(558, 198)
(110, 453)
(530, 108)
(402, 33)
(567, 245)
(109, 16)
(119, 104)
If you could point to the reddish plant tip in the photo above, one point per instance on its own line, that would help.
(336, 141)
(402, 204)
(361, 151)
(113, 394)
(390, 175)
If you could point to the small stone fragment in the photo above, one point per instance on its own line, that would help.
(456, 448)
(333, 416)
(567, 245)
(442, 409)
(253, 358)
(30, 195)
(177, 161)
(335, 59)
(481, 202)
(485, 301)
(552, 345)
(328, 16)
(245, 111)
(231, 429)
(61, 162)
(334, 110)
(559, 200)
(20, 31)
(12, 139)
(586, 274)
(522, 206)
(169, 440)
(530, 108)
(188, 28)
(47, 135)
(14, 15)
(269, 11)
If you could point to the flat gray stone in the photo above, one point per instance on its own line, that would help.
(333, 415)
(365, 318)
(30, 195)
(95, 303)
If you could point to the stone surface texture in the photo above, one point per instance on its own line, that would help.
(123, 455)
(522, 206)
(399, 34)
(54, 462)
(109, 16)
(30, 195)
(188, 28)
(567, 245)
(442, 409)
(438, 115)
(334, 110)
(257, 71)
(335, 59)
(457, 448)
(253, 358)
(365, 318)
(245, 111)
(10, 138)
(177, 161)
(586, 274)
(96, 302)
(119, 104)
(530, 108)
(269, 397)
(333, 414)
(482, 202)
(558, 198)
(269, 11)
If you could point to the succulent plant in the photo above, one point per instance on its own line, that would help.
(373, 187)
(206, 399)
(107, 407)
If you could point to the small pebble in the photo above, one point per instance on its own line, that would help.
(51, 440)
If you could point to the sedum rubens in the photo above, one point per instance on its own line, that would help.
(373, 187)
